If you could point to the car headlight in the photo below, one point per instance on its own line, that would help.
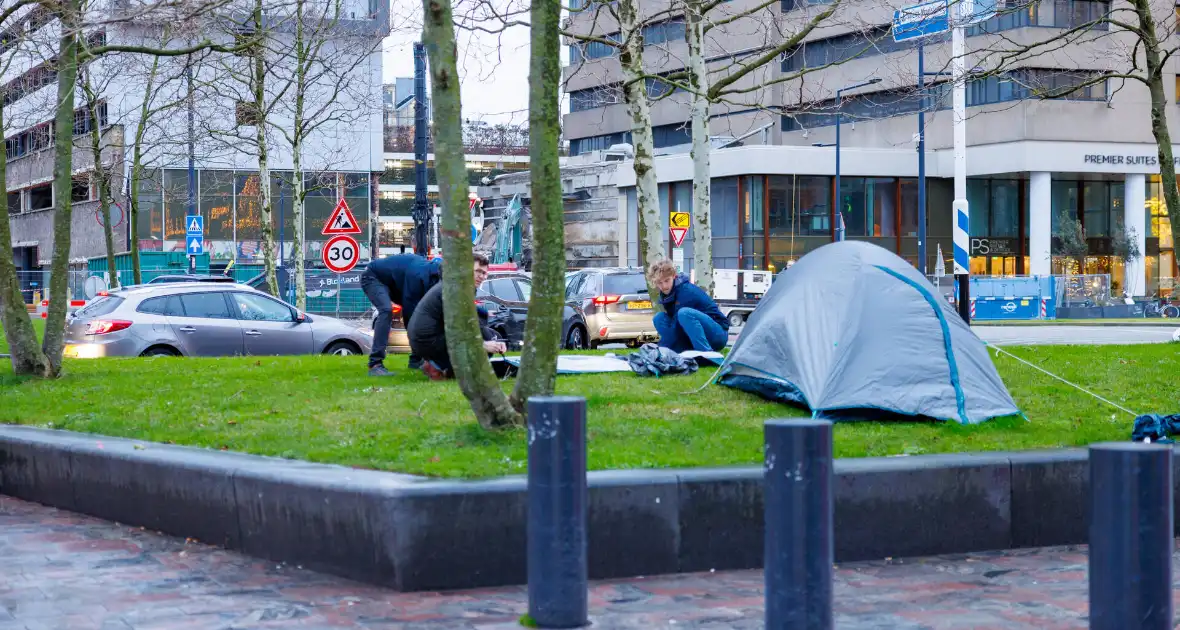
(368, 332)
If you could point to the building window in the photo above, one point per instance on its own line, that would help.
(14, 203)
(858, 44)
(653, 35)
(80, 191)
(791, 5)
(1010, 86)
(41, 197)
(663, 136)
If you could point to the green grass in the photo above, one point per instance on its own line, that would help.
(326, 409)
(38, 325)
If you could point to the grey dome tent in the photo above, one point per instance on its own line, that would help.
(853, 331)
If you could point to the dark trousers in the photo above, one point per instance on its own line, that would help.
(378, 295)
(435, 351)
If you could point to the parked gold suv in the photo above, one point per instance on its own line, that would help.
(616, 304)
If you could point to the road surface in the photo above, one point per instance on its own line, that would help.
(69, 572)
(1056, 335)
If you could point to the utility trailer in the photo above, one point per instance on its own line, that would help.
(739, 291)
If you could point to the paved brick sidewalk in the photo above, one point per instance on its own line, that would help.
(63, 571)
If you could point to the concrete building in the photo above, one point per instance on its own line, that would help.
(339, 158)
(1087, 154)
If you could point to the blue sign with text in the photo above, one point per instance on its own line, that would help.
(921, 20)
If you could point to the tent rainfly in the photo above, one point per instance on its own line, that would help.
(852, 331)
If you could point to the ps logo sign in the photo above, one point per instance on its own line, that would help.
(980, 246)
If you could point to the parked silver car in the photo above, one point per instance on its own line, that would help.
(203, 319)
(616, 304)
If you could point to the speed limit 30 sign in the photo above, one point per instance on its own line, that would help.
(341, 254)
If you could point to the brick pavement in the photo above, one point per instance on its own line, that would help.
(64, 571)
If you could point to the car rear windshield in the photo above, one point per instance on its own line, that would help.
(624, 284)
(99, 307)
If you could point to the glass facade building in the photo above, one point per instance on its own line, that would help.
(767, 222)
(231, 202)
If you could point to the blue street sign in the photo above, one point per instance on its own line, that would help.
(921, 20)
(194, 245)
(194, 225)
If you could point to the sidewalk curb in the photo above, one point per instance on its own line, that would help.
(417, 534)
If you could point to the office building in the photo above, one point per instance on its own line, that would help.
(1088, 154)
(340, 157)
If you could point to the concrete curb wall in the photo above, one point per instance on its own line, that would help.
(413, 534)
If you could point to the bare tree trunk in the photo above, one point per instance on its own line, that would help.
(651, 242)
(63, 164)
(26, 355)
(137, 171)
(698, 80)
(101, 175)
(133, 210)
(1159, 103)
(258, 81)
(297, 203)
(476, 379)
(538, 364)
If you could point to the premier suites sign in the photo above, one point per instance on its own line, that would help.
(1099, 159)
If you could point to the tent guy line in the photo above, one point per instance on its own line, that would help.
(1074, 385)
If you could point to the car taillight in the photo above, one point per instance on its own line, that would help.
(606, 299)
(104, 326)
(396, 309)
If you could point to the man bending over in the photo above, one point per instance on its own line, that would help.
(427, 329)
(691, 319)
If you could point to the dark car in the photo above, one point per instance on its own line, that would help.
(506, 295)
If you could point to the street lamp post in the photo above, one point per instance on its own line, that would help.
(840, 115)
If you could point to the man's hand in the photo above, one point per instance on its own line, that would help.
(495, 347)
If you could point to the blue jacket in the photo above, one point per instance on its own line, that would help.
(408, 277)
(685, 294)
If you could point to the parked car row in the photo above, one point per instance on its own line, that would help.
(189, 315)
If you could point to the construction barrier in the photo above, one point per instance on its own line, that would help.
(1013, 298)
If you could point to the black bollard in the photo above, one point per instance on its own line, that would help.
(1130, 536)
(797, 494)
(557, 574)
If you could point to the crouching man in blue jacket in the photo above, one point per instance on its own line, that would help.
(691, 319)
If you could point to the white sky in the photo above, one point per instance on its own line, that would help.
(493, 69)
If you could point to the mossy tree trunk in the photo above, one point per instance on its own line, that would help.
(26, 354)
(538, 365)
(477, 381)
(63, 182)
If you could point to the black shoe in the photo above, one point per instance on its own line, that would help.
(415, 363)
(379, 370)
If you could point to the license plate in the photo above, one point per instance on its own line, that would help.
(638, 305)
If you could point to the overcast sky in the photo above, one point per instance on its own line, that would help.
(493, 70)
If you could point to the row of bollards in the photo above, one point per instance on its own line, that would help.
(1131, 528)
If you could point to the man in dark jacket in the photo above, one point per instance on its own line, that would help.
(403, 280)
(691, 319)
(427, 329)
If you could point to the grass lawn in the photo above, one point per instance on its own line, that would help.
(38, 325)
(326, 409)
